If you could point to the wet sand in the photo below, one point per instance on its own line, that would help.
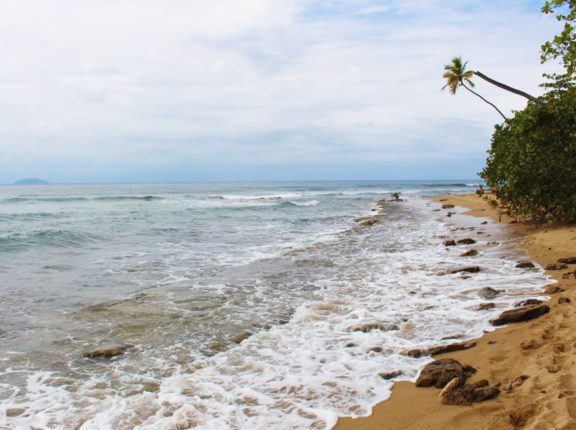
(543, 349)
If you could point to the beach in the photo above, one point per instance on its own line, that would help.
(531, 362)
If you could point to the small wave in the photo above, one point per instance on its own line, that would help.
(127, 198)
(56, 238)
(299, 204)
(79, 199)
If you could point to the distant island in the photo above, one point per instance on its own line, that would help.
(31, 181)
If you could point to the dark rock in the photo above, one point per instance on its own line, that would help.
(368, 222)
(365, 328)
(470, 253)
(556, 267)
(377, 349)
(239, 337)
(216, 346)
(569, 260)
(525, 265)
(107, 351)
(466, 241)
(414, 353)
(466, 269)
(528, 302)
(466, 395)
(440, 372)
(486, 306)
(563, 300)
(449, 243)
(521, 314)
(488, 293)
(553, 289)
(395, 197)
(451, 348)
(484, 222)
(447, 206)
(390, 375)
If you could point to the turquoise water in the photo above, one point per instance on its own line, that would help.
(176, 270)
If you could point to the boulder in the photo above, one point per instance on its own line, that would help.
(569, 260)
(441, 372)
(525, 265)
(470, 253)
(488, 293)
(107, 351)
(449, 243)
(485, 306)
(390, 375)
(524, 313)
(563, 300)
(241, 336)
(553, 289)
(465, 269)
(556, 267)
(467, 394)
(466, 241)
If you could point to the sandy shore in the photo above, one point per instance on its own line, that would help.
(543, 349)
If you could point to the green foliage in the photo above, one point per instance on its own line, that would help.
(456, 75)
(563, 45)
(532, 161)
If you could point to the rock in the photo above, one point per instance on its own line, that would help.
(449, 243)
(530, 344)
(217, 346)
(239, 337)
(465, 269)
(414, 353)
(365, 328)
(107, 351)
(441, 372)
(553, 289)
(509, 385)
(521, 314)
(390, 375)
(470, 253)
(569, 260)
(527, 302)
(447, 206)
(563, 300)
(443, 349)
(451, 386)
(395, 197)
(556, 267)
(488, 293)
(525, 265)
(485, 306)
(368, 222)
(14, 412)
(377, 349)
(484, 222)
(466, 395)
(466, 241)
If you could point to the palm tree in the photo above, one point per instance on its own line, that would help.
(457, 76)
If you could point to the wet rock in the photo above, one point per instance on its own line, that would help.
(465, 269)
(553, 289)
(395, 197)
(488, 293)
(107, 351)
(368, 222)
(563, 300)
(390, 375)
(217, 346)
(365, 328)
(569, 260)
(525, 265)
(470, 253)
(485, 306)
(239, 337)
(466, 395)
(556, 266)
(466, 241)
(527, 302)
(449, 243)
(520, 314)
(414, 353)
(377, 349)
(447, 206)
(14, 412)
(443, 349)
(484, 222)
(441, 372)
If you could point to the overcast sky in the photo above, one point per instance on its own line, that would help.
(176, 90)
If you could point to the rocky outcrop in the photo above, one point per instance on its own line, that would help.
(556, 266)
(525, 265)
(449, 243)
(465, 269)
(524, 313)
(466, 241)
(365, 328)
(442, 349)
(368, 222)
(390, 375)
(241, 336)
(470, 253)
(107, 351)
(569, 260)
(528, 302)
(460, 394)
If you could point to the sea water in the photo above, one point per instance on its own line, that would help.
(177, 271)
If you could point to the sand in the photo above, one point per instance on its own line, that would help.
(543, 349)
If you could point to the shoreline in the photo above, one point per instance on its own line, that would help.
(541, 350)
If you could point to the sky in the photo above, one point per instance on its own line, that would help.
(204, 90)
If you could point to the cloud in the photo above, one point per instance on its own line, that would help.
(89, 89)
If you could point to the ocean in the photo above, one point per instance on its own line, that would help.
(240, 305)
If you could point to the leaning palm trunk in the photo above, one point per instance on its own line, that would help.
(507, 88)
(490, 103)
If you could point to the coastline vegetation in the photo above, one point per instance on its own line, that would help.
(531, 166)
